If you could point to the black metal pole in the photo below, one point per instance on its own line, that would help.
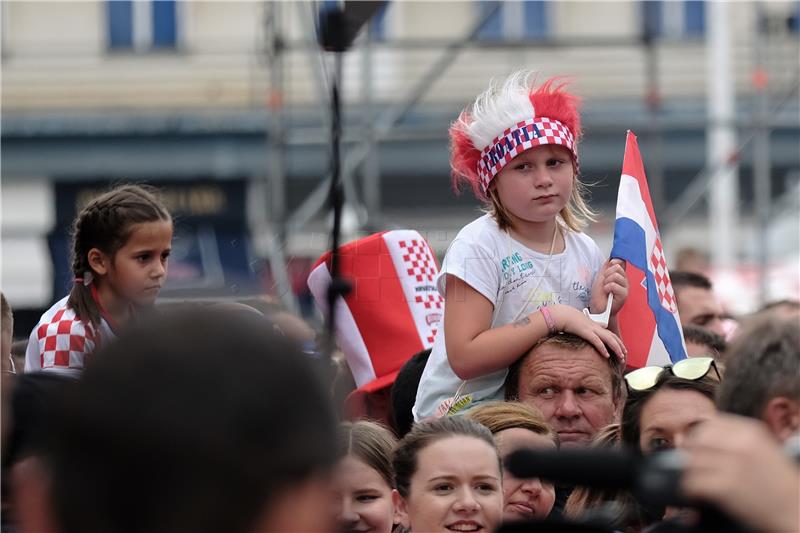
(338, 27)
(339, 286)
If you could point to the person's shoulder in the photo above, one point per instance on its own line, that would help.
(58, 311)
(583, 248)
(479, 230)
(580, 240)
(61, 318)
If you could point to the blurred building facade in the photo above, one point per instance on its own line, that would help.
(225, 104)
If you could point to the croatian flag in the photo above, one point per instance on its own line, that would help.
(648, 322)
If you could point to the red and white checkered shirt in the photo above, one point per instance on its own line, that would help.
(61, 341)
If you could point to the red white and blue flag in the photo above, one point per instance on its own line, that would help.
(648, 322)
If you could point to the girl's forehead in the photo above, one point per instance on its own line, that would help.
(150, 232)
(455, 452)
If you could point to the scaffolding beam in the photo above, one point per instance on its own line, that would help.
(386, 121)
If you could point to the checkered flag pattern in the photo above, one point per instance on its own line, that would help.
(659, 264)
(418, 260)
(517, 139)
(64, 340)
(431, 301)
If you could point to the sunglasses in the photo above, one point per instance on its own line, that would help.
(692, 368)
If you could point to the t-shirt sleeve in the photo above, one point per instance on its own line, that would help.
(59, 346)
(473, 263)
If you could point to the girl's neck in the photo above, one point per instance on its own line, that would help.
(118, 308)
(538, 235)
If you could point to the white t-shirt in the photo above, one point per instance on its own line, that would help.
(505, 272)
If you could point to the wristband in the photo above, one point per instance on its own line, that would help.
(548, 318)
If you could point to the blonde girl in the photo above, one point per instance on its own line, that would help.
(364, 479)
(524, 270)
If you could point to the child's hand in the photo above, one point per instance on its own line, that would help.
(610, 279)
(571, 320)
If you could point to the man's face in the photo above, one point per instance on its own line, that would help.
(572, 389)
(700, 307)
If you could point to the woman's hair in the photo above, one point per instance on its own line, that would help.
(422, 435)
(636, 400)
(583, 498)
(619, 507)
(502, 106)
(499, 416)
(370, 443)
(106, 223)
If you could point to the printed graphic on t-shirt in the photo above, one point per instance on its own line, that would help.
(536, 280)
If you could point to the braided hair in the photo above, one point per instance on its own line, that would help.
(106, 223)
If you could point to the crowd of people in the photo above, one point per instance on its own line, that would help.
(133, 417)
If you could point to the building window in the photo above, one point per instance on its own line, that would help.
(120, 23)
(674, 18)
(164, 22)
(694, 13)
(142, 25)
(793, 21)
(377, 24)
(492, 28)
(528, 19)
(536, 18)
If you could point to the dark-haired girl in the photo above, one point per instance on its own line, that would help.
(120, 244)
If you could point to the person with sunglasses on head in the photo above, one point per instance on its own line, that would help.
(665, 403)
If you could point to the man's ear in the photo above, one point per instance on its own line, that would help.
(782, 416)
(98, 261)
(400, 510)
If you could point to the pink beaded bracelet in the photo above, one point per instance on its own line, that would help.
(548, 318)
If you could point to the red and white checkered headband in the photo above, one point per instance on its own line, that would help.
(518, 138)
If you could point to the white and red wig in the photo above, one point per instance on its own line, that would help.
(507, 119)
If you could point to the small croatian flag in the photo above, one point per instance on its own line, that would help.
(648, 322)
